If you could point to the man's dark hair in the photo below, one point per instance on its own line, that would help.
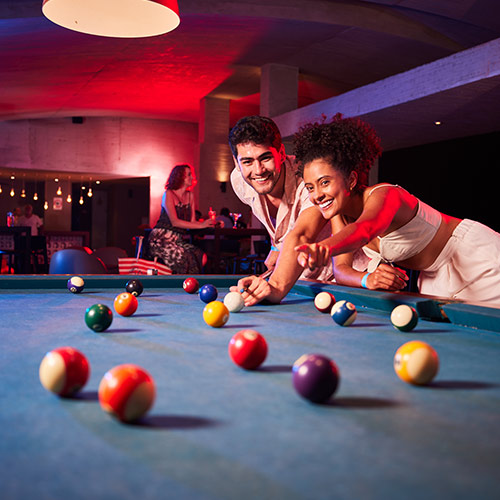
(256, 129)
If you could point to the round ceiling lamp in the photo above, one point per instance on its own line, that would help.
(114, 18)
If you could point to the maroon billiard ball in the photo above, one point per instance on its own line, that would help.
(64, 371)
(315, 377)
(191, 285)
(324, 302)
(248, 349)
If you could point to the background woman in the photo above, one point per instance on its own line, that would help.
(166, 240)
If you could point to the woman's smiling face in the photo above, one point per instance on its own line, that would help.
(327, 187)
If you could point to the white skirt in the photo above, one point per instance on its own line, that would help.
(468, 268)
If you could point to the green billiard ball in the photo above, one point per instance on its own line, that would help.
(98, 317)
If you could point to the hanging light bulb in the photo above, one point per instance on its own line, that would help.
(81, 200)
(68, 199)
(23, 190)
(89, 192)
(46, 205)
(12, 192)
(1, 189)
(59, 191)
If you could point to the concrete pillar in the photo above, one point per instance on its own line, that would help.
(279, 86)
(215, 159)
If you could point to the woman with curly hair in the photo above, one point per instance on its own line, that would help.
(166, 240)
(457, 259)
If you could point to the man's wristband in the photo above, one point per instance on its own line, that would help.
(364, 280)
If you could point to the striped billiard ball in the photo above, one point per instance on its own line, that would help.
(404, 318)
(324, 302)
(343, 313)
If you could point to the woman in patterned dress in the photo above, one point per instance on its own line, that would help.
(166, 241)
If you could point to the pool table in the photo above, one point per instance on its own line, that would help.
(217, 431)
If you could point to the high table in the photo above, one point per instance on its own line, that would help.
(219, 432)
(15, 242)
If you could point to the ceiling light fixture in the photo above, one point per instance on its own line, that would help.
(114, 18)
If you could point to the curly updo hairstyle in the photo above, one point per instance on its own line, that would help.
(177, 176)
(256, 129)
(348, 144)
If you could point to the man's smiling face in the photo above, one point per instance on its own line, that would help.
(260, 165)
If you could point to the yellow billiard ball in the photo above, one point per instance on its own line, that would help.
(215, 314)
(416, 362)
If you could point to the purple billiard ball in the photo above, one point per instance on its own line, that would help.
(76, 284)
(315, 377)
(208, 293)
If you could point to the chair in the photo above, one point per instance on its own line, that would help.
(110, 256)
(39, 257)
(75, 261)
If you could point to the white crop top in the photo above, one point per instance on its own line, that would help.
(408, 240)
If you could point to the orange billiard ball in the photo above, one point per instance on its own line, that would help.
(64, 371)
(215, 314)
(126, 304)
(127, 392)
(416, 362)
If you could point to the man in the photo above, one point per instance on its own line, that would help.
(30, 219)
(266, 179)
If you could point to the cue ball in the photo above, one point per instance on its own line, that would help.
(315, 377)
(134, 287)
(248, 349)
(126, 392)
(215, 314)
(64, 371)
(208, 293)
(191, 285)
(76, 284)
(404, 318)
(125, 304)
(234, 302)
(324, 302)
(416, 362)
(343, 313)
(98, 317)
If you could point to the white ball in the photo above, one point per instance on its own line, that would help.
(234, 302)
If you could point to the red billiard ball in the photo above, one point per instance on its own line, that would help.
(191, 285)
(127, 392)
(324, 302)
(248, 349)
(64, 371)
(126, 304)
(315, 377)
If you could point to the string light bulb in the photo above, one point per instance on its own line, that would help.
(69, 199)
(46, 205)
(12, 192)
(81, 200)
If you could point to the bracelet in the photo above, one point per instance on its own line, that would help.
(363, 281)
